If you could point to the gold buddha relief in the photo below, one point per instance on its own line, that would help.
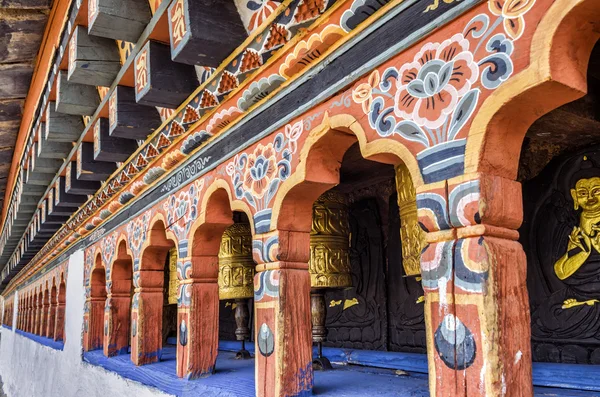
(584, 240)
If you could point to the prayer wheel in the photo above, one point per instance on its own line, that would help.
(173, 280)
(236, 277)
(329, 263)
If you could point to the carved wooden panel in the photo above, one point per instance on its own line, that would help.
(406, 323)
(561, 214)
(356, 317)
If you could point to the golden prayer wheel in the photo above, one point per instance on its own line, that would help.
(236, 277)
(329, 263)
(236, 266)
(411, 235)
(173, 280)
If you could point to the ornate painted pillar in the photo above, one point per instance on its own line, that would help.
(116, 323)
(146, 316)
(93, 332)
(474, 277)
(27, 315)
(197, 314)
(44, 315)
(39, 304)
(51, 317)
(59, 322)
(282, 311)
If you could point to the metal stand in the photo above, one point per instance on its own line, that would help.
(318, 310)
(242, 332)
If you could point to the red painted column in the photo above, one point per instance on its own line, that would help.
(93, 336)
(474, 276)
(197, 316)
(282, 312)
(38, 315)
(146, 317)
(59, 323)
(116, 319)
(27, 316)
(44, 315)
(51, 317)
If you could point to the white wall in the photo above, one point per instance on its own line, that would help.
(31, 370)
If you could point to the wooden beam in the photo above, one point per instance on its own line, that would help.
(38, 178)
(118, 19)
(62, 199)
(73, 98)
(34, 191)
(51, 219)
(46, 149)
(53, 209)
(160, 81)
(89, 169)
(76, 186)
(45, 165)
(92, 60)
(110, 148)
(127, 118)
(204, 32)
(61, 127)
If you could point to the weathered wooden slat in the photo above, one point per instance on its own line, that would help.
(118, 19)
(160, 81)
(73, 98)
(110, 148)
(204, 32)
(14, 80)
(62, 199)
(61, 127)
(92, 60)
(21, 33)
(127, 118)
(89, 169)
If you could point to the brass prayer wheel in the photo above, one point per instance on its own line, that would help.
(173, 280)
(329, 263)
(411, 234)
(236, 266)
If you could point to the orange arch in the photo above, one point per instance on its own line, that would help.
(319, 165)
(559, 55)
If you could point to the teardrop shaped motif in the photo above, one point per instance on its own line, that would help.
(266, 340)
(455, 343)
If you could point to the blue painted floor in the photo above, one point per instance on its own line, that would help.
(236, 378)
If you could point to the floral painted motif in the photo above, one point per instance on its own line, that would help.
(261, 9)
(256, 176)
(431, 98)
(182, 209)
(137, 232)
(108, 248)
(428, 88)
(512, 12)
